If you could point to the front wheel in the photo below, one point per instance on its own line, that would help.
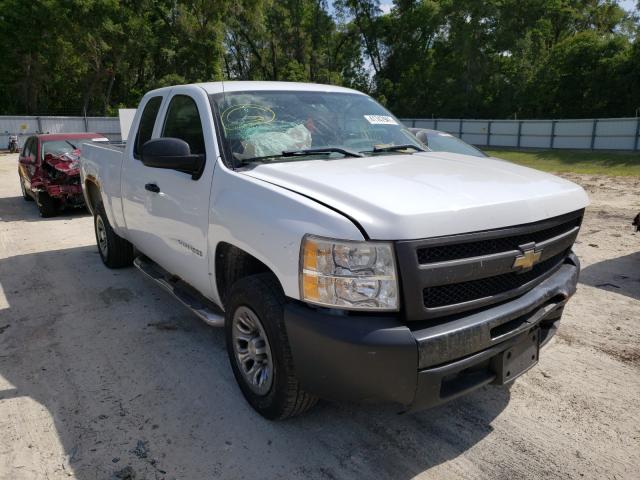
(47, 205)
(115, 251)
(259, 351)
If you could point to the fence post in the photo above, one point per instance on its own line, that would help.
(519, 132)
(435, 124)
(593, 132)
(86, 124)
(636, 144)
(553, 133)
(460, 129)
(39, 120)
(413, 123)
(489, 133)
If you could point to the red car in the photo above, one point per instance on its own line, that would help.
(49, 170)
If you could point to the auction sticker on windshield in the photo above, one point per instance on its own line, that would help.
(380, 120)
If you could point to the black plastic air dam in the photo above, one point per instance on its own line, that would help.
(379, 358)
(352, 358)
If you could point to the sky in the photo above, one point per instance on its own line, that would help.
(628, 4)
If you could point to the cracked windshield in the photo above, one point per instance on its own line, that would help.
(290, 125)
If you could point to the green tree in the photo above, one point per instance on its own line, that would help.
(471, 58)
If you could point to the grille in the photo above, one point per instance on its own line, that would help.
(486, 287)
(477, 248)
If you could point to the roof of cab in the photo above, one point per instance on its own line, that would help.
(238, 86)
(248, 86)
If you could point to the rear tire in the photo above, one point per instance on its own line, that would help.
(115, 251)
(258, 300)
(47, 206)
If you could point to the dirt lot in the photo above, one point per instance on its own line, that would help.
(103, 375)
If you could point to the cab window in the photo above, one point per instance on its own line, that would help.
(183, 122)
(26, 149)
(147, 121)
(30, 149)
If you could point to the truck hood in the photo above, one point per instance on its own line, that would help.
(401, 197)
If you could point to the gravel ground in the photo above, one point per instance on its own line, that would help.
(103, 375)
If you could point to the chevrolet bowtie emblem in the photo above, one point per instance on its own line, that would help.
(527, 259)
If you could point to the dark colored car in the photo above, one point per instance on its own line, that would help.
(49, 171)
(438, 141)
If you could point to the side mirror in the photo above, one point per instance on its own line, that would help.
(173, 154)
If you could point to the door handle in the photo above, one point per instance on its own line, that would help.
(152, 187)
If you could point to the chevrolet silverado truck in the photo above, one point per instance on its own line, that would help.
(344, 259)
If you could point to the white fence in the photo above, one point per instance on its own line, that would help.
(25, 126)
(594, 134)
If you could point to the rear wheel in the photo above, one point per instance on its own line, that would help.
(47, 206)
(115, 251)
(259, 351)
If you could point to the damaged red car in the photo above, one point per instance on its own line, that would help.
(49, 170)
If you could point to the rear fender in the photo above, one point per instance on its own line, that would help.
(100, 171)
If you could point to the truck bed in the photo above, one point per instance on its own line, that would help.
(101, 163)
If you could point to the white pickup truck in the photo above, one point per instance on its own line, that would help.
(343, 258)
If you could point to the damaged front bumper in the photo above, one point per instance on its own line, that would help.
(60, 179)
(57, 191)
(421, 364)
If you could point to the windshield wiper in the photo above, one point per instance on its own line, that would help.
(324, 150)
(299, 153)
(395, 148)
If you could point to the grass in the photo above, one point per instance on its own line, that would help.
(575, 161)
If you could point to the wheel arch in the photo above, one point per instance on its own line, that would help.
(92, 194)
(233, 264)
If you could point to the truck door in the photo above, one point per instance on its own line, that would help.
(27, 161)
(166, 211)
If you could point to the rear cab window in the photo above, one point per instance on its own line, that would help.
(147, 121)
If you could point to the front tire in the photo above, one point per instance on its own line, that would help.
(47, 206)
(115, 251)
(259, 351)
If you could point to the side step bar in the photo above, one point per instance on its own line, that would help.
(188, 296)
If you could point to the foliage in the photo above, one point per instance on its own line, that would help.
(575, 161)
(447, 58)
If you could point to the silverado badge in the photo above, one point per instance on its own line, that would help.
(529, 257)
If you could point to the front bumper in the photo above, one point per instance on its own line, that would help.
(57, 191)
(418, 364)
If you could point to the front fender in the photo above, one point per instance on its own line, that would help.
(269, 223)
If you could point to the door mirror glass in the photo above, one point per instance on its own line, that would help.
(173, 154)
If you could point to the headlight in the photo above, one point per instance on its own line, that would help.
(350, 275)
